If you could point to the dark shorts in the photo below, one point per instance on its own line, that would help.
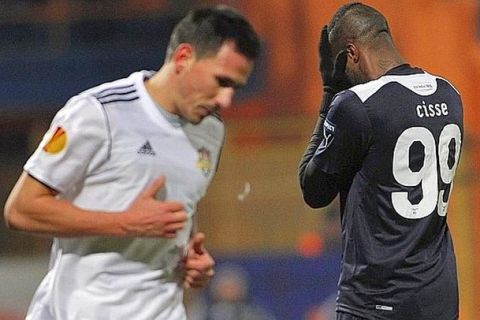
(348, 316)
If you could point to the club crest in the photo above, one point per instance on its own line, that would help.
(204, 162)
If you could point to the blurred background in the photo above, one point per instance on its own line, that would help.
(278, 256)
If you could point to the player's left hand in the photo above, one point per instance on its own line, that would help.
(198, 263)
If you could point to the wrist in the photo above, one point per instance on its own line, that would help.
(329, 89)
(326, 100)
(123, 225)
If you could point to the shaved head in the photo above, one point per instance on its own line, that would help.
(363, 33)
(358, 23)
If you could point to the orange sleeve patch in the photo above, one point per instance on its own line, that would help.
(57, 142)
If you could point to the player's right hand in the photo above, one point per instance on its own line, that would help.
(332, 71)
(149, 217)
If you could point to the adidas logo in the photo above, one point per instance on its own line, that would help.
(146, 149)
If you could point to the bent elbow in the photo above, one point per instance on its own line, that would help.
(12, 217)
(318, 192)
(312, 203)
(316, 201)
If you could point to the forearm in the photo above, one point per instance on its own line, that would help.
(31, 207)
(318, 188)
(312, 146)
(60, 218)
(317, 135)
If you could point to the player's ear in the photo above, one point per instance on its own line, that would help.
(353, 53)
(183, 55)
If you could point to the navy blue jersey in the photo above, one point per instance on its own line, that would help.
(390, 147)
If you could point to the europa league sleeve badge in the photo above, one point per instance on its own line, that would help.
(57, 141)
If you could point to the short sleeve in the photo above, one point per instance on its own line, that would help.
(76, 142)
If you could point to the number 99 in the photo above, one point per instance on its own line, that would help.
(427, 176)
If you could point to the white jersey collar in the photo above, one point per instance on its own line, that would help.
(152, 107)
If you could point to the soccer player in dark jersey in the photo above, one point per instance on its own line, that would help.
(388, 142)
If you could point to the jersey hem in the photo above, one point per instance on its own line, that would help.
(356, 312)
(361, 313)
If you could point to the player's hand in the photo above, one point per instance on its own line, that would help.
(198, 263)
(149, 217)
(332, 71)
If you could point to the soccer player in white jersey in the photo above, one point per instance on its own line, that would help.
(117, 177)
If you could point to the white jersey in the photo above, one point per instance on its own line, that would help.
(103, 148)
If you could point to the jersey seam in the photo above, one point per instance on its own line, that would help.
(108, 130)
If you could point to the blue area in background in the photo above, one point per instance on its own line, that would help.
(288, 285)
(37, 75)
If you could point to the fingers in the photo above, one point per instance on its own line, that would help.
(198, 263)
(198, 241)
(340, 63)
(174, 222)
(177, 215)
(198, 271)
(201, 262)
(195, 279)
(153, 188)
(170, 228)
(324, 46)
(174, 227)
(325, 52)
(342, 80)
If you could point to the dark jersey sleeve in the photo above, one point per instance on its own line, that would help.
(335, 152)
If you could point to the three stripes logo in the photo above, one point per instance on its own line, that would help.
(146, 149)
(117, 94)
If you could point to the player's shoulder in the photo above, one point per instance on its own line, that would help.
(346, 101)
(418, 83)
(414, 80)
(79, 107)
(348, 111)
(345, 97)
(118, 91)
(444, 81)
(91, 103)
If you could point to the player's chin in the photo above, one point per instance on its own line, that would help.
(196, 118)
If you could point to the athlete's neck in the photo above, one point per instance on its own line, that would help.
(160, 90)
(381, 61)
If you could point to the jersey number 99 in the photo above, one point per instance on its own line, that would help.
(435, 164)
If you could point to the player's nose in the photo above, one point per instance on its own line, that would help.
(225, 97)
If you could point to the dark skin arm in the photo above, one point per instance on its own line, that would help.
(319, 188)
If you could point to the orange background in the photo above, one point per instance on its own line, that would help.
(441, 37)
(267, 134)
